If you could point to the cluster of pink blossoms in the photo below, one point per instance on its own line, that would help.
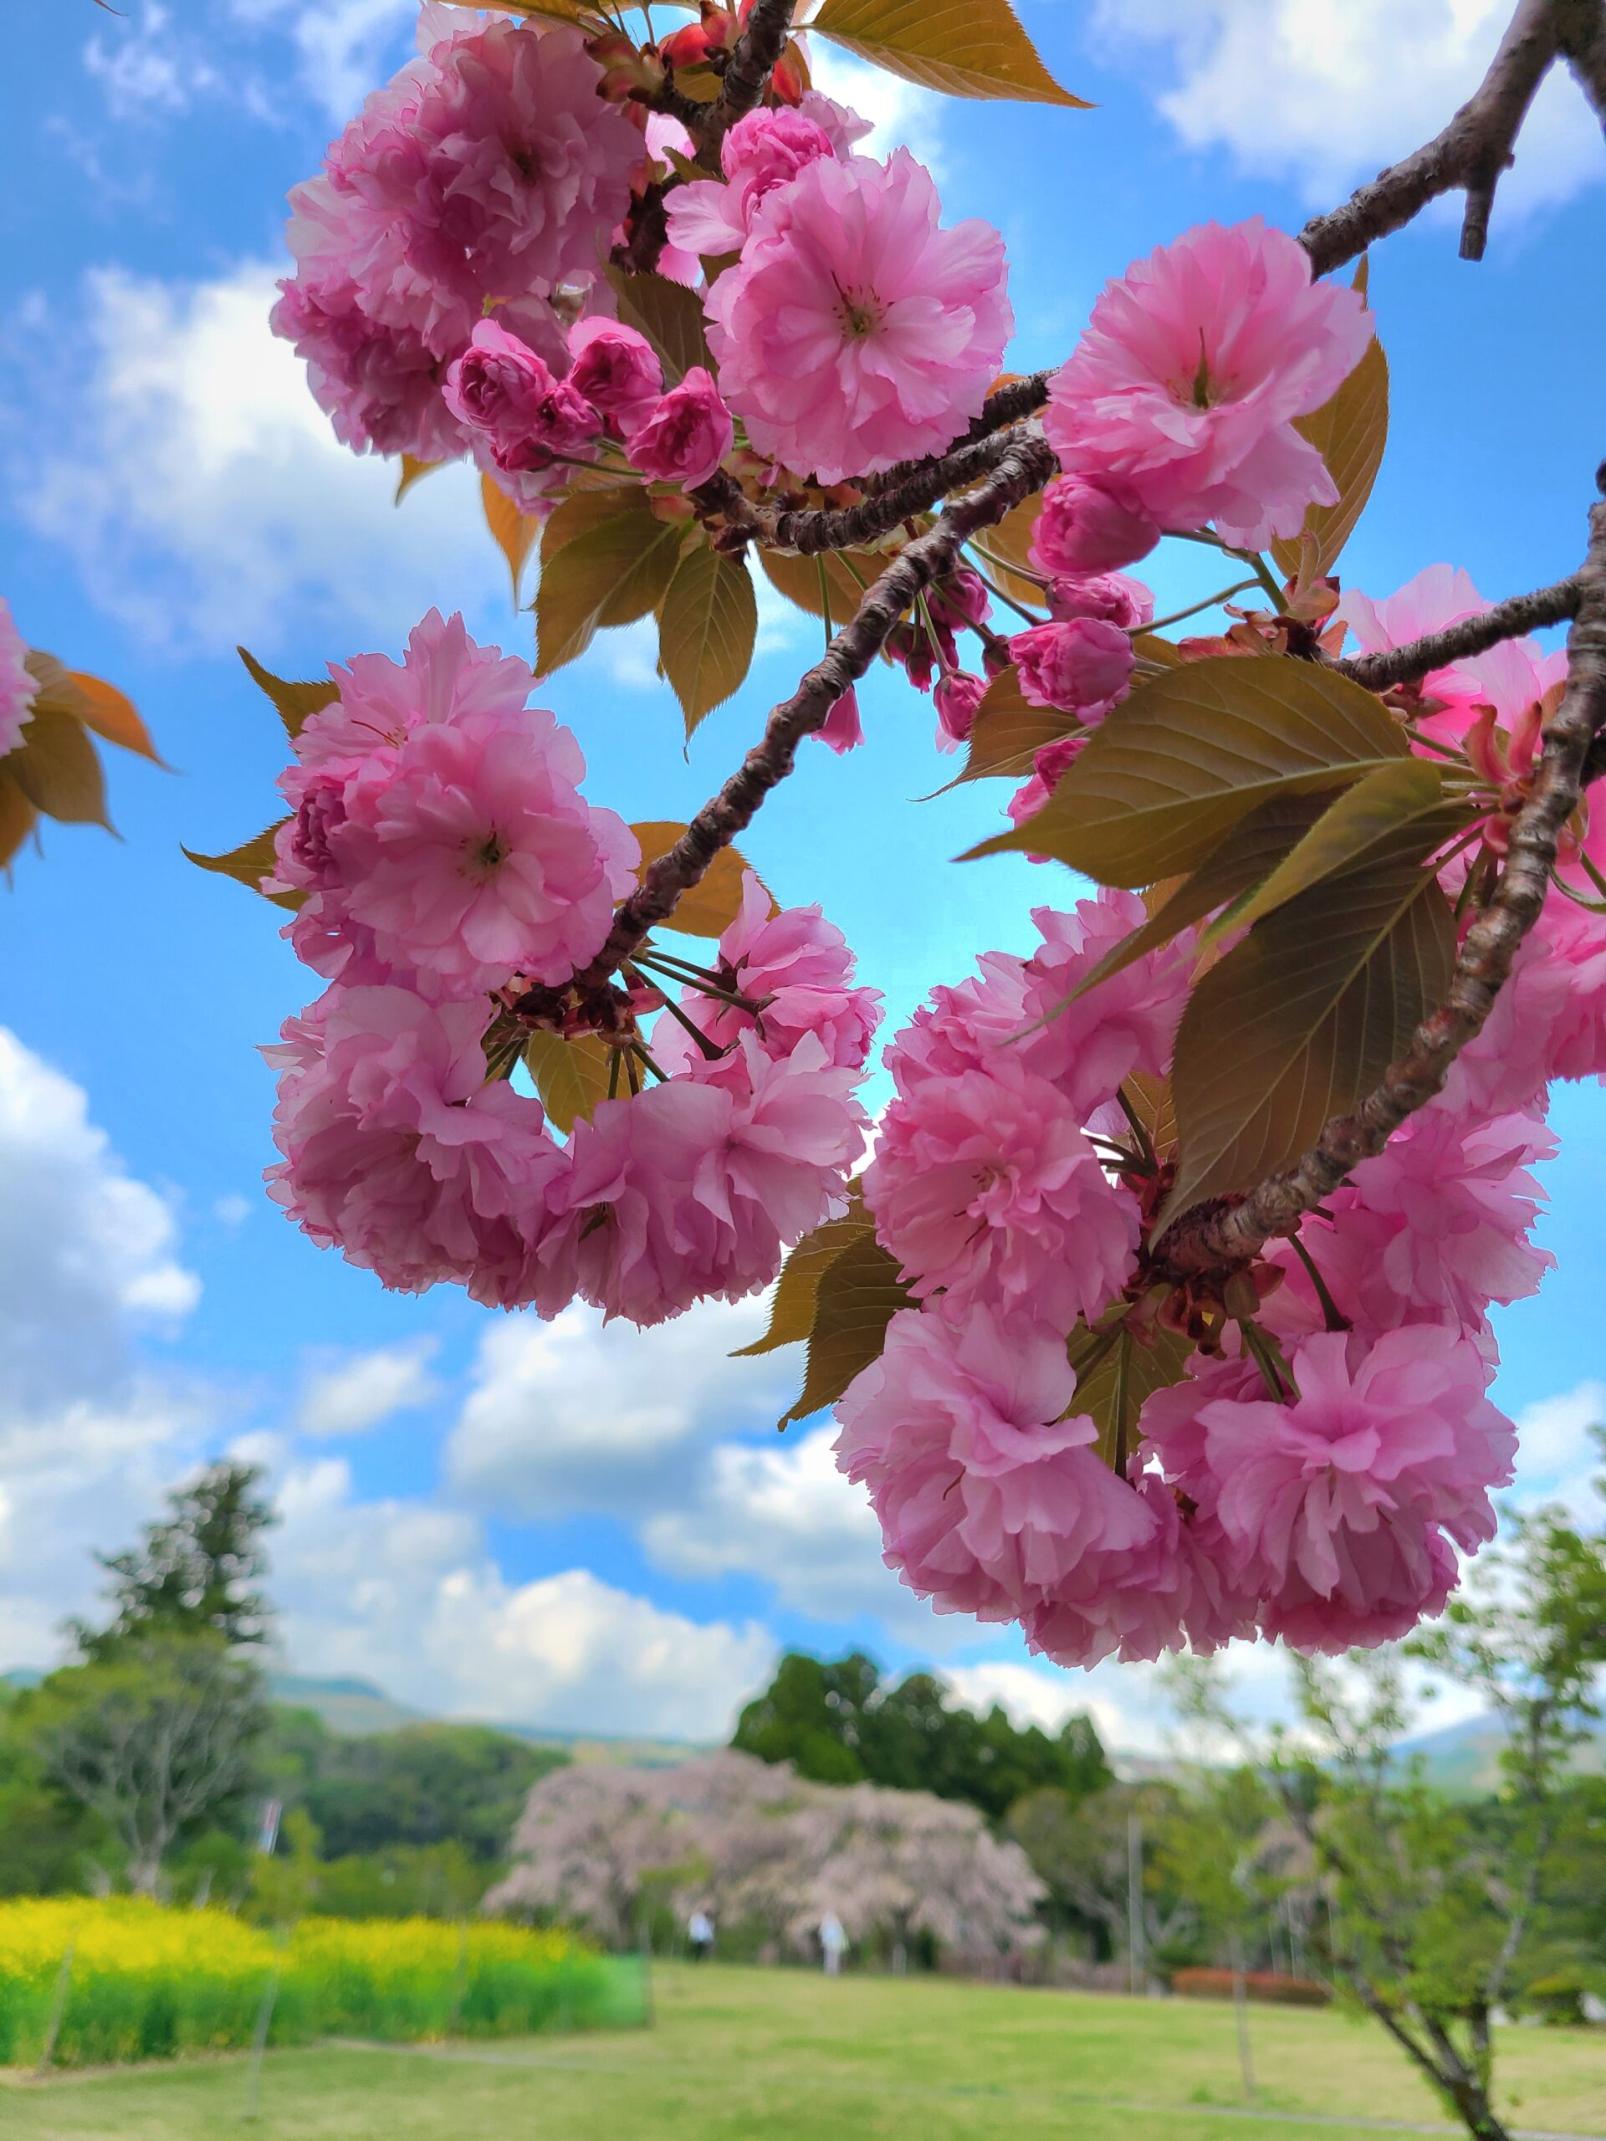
(18, 689)
(451, 869)
(488, 171)
(1009, 1187)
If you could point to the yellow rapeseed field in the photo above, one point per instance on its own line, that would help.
(147, 1982)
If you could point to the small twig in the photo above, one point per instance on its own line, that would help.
(1025, 467)
(1471, 635)
(1472, 152)
(809, 530)
(751, 63)
(1005, 405)
(1215, 1236)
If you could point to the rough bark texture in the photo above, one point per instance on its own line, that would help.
(1024, 467)
(1472, 635)
(812, 530)
(757, 49)
(1471, 153)
(1218, 1237)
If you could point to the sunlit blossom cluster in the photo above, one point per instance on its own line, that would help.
(449, 866)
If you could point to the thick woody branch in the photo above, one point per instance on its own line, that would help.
(1007, 405)
(751, 62)
(1472, 152)
(1583, 38)
(1024, 468)
(1471, 635)
(1219, 1236)
(811, 530)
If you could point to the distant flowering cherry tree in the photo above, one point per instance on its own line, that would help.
(1160, 1316)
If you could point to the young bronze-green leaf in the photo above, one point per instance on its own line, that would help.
(1349, 431)
(706, 630)
(1117, 1371)
(858, 1295)
(715, 901)
(571, 1076)
(612, 571)
(248, 864)
(1302, 1018)
(1191, 752)
(798, 1287)
(965, 48)
(667, 313)
(292, 702)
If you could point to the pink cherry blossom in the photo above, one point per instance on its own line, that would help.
(1109, 595)
(962, 1028)
(1081, 667)
(1126, 1024)
(684, 437)
(987, 1488)
(1050, 764)
(797, 968)
(380, 385)
(986, 1191)
(855, 332)
(616, 369)
(843, 128)
(17, 687)
(1184, 388)
(502, 390)
(764, 150)
(1085, 526)
(490, 171)
(693, 1189)
(398, 1153)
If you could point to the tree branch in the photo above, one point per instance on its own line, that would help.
(1472, 152)
(1583, 39)
(811, 530)
(756, 51)
(1023, 468)
(1217, 1236)
(1005, 405)
(1471, 635)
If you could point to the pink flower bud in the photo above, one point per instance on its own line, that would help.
(616, 369)
(1079, 668)
(842, 729)
(687, 435)
(1110, 595)
(1090, 527)
(500, 388)
(957, 698)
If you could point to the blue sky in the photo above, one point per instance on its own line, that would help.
(561, 1525)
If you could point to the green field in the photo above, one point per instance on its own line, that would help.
(747, 2055)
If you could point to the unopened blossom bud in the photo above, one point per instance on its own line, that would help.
(960, 598)
(957, 698)
(685, 48)
(786, 79)
(842, 729)
(687, 434)
(500, 388)
(1109, 595)
(1080, 668)
(1088, 527)
(628, 70)
(616, 369)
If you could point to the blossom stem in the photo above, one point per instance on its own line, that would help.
(1139, 1128)
(711, 1050)
(1210, 602)
(1332, 1315)
(993, 588)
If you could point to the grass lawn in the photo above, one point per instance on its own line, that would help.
(748, 2055)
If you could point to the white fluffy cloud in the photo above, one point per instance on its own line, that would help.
(1557, 1456)
(347, 1397)
(205, 497)
(903, 115)
(576, 1414)
(1324, 92)
(407, 1596)
(85, 1249)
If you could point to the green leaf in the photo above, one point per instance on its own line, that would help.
(513, 532)
(248, 864)
(1392, 796)
(1194, 750)
(1009, 731)
(1302, 1018)
(667, 313)
(1242, 859)
(965, 48)
(858, 1294)
(606, 559)
(1349, 432)
(57, 767)
(848, 573)
(1117, 1371)
(706, 631)
(715, 901)
(792, 1307)
(292, 702)
(571, 1076)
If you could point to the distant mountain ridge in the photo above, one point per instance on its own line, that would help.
(356, 1708)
